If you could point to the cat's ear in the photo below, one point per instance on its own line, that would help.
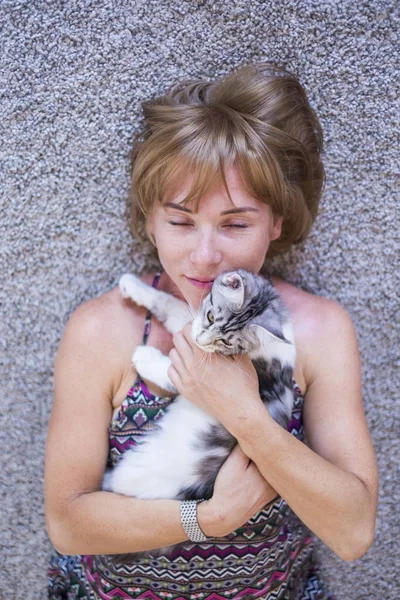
(271, 326)
(232, 288)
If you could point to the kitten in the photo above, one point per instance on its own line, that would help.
(242, 314)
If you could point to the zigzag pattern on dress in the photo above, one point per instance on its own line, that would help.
(313, 590)
(269, 558)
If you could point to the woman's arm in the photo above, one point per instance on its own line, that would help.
(332, 484)
(82, 519)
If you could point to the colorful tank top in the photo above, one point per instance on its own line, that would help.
(269, 558)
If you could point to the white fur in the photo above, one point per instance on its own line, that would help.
(153, 365)
(276, 410)
(202, 338)
(169, 310)
(228, 288)
(167, 465)
(273, 347)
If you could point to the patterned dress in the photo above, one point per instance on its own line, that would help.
(269, 558)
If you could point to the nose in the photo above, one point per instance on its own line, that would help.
(205, 252)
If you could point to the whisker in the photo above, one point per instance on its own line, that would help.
(174, 288)
(204, 295)
(190, 305)
(201, 362)
(206, 358)
(236, 366)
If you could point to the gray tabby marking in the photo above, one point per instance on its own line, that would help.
(243, 314)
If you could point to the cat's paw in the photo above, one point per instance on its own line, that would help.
(132, 287)
(145, 358)
(127, 284)
(151, 364)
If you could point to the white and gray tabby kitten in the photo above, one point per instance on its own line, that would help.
(242, 314)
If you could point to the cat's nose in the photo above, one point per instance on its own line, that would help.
(199, 341)
(202, 341)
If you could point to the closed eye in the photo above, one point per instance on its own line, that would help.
(177, 224)
(224, 342)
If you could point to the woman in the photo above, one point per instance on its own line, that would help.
(224, 173)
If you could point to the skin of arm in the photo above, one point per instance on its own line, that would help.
(82, 519)
(332, 482)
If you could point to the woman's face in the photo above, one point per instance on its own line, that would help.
(195, 247)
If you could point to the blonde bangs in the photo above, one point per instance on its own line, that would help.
(257, 120)
(202, 151)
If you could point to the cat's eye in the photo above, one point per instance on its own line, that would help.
(210, 316)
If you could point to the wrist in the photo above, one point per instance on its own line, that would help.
(251, 427)
(212, 520)
(205, 518)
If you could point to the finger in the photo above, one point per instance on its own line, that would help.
(198, 352)
(177, 361)
(244, 363)
(187, 332)
(174, 377)
(242, 360)
(181, 340)
(183, 347)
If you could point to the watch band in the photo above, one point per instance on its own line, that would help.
(189, 521)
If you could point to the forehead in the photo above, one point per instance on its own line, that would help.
(188, 191)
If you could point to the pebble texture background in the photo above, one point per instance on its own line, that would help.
(73, 75)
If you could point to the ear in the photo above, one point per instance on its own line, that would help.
(272, 329)
(149, 230)
(232, 288)
(266, 336)
(276, 228)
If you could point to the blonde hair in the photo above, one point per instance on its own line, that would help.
(256, 119)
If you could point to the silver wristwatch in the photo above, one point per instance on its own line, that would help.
(189, 521)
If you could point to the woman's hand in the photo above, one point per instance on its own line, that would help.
(225, 387)
(240, 492)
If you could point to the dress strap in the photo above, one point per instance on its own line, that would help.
(147, 322)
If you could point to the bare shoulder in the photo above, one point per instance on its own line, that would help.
(102, 334)
(102, 320)
(108, 318)
(322, 327)
(312, 315)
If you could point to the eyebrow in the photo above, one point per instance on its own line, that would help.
(231, 211)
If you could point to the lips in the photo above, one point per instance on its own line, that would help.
(200, 282)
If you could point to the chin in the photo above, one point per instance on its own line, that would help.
(196, 299)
